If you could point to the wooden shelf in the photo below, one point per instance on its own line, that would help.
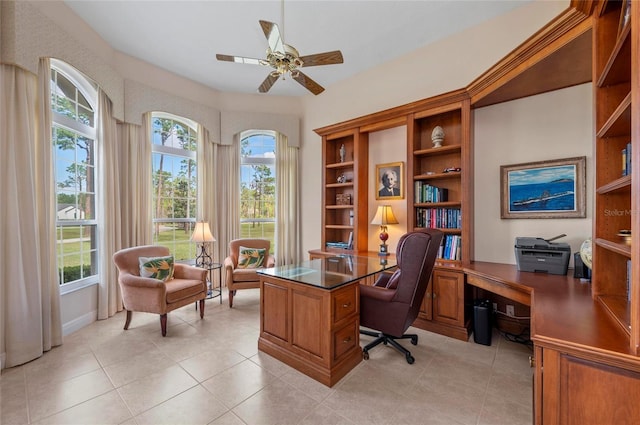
(335, 185)
(339, 207)
(436, 176)
(621, 184)
(619, 248)
(619, 124)
(620, 309)
(443, 150)
(450, 204)
(616, 70)
(346, 164)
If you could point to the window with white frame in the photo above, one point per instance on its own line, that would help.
(174, 176)
(73, 100)
(258, 185)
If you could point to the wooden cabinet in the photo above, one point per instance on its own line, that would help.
(443, 309)
(580, 391)
(616, 264)
(344, 182)
(440, 188)
(312, 329)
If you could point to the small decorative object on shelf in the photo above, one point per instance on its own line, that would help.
(437, 136)
(342, 153)
(625, 235)
(342, 178)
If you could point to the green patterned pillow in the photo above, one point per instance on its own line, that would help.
(160, 268)
(250, 258)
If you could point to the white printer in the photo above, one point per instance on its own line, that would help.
(542, 255)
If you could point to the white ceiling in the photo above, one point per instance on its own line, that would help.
(184, 36)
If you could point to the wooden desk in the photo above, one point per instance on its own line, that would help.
(310, 314)
(585, 371)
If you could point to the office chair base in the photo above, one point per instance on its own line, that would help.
(382, 338)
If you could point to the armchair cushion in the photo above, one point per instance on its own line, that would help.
(160, 268)
(250, 258)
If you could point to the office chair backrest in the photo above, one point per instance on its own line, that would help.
(416, 255)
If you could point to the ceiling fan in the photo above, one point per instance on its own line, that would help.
(285, 59)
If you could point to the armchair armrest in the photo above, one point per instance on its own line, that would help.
(271, 262)
(128, 279)
(185, 271)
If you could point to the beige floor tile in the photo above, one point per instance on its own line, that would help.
(156, 378)
(238, 383)
(194, 406)
(278, 403)
(154, 389)
(106, 409)
(138, 366)
(211, 362)
(228, 418)
(57, 396)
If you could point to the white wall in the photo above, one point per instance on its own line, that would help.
(448, 64)
(548, 126)
(384, 147)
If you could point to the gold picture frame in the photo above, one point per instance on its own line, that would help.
(544, 189)
(389, 181)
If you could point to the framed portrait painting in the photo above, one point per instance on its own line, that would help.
(544, 189)
(389, 182)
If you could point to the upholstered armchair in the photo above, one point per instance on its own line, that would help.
(391, 305)
(157, 284)
(245, 257)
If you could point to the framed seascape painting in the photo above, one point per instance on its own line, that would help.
(544, 189)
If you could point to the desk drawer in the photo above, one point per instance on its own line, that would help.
(344, 303)
(345, 339)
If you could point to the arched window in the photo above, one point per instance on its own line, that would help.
(174, 173)
(73, 101)
(258, 185)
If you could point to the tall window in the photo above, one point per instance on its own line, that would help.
(174, 183)
(258, 185)
(73, 99)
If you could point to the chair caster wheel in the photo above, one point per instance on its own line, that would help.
(410, 359)
(365, 355)
(414, 340)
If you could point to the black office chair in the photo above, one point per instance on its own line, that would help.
(392, 304)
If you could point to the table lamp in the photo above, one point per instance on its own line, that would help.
(202, 235)
(383, 217)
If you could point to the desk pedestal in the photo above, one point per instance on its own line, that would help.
(314, 330)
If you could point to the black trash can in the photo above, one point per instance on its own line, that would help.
(482, 322)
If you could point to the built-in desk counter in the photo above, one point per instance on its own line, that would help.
(585, 372)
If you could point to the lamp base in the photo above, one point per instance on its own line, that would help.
(383, 250)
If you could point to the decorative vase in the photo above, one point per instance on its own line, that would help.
(437, 136)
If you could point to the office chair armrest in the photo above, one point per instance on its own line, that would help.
(377, 293)
(382, 280)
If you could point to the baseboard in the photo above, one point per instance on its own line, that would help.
(457, 332)
(79, 323)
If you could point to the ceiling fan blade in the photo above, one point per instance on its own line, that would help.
(326, 58)
(272, 32)
(308, 83)
(268, 83)
(238, 59)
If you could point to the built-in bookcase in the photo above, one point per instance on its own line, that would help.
(615, 285)
(439, 190)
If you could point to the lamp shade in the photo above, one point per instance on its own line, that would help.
(202, 233)
(384, 216)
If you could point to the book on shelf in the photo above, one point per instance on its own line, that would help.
(424, 192)
(450, 248)
(439, 218)
(340, 245)
(626, 160)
